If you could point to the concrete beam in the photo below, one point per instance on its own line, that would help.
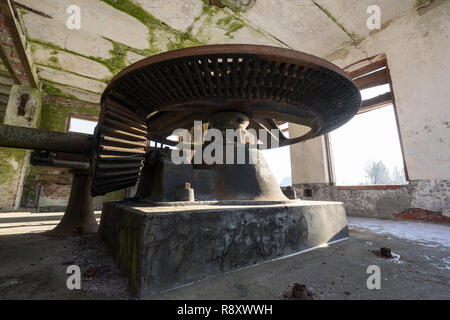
(37, 139)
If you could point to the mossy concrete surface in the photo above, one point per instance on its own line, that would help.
(12, 161)
(161, 248)
(55, 116)
(15, 163)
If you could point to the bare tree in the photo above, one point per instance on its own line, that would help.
(398, 176)
(377, 173)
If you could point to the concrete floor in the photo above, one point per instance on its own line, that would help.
(33, 266)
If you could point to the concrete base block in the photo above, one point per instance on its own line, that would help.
(162, 247)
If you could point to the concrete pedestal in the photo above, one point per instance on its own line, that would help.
(162, 247)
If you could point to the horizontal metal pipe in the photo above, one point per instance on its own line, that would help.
(38, 139)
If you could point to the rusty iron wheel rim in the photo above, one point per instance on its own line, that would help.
(269, 84)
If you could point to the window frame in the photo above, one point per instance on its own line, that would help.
(79, 117)
(374, 63)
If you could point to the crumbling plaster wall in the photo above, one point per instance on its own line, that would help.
(385, 203)
(417, 46)
(308, 158)
(15, 166)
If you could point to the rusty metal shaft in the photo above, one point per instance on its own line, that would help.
(38, 139)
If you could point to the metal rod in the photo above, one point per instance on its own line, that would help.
(37, 139)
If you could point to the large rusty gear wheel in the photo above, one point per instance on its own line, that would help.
(168, 91)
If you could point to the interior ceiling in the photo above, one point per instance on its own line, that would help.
(116, 33)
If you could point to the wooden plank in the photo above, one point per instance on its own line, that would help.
(367, 69)
(5, 89)
(6, 80)
(14, 53)
(377, 78)
(378, 102)
(4, 99)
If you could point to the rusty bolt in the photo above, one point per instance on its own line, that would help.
(24, 98)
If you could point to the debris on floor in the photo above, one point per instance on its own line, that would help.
(299, 292)
(383, 253)
(422, 272)
(387, 254)
(90, 272)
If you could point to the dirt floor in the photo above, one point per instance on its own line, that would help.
(33, 266)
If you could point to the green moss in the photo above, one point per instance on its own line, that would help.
(352, 35)
(54, 116)
(12, 161)
(117, 61)
(422, 3)
(208, 9)
(208, 13)
(225, 21)
(134, 10)
(152, 23)
(33, 47)
(230, 24)
(54, 59)
(52, 91)
(235, 26)
(56, 49)
(114, 64)
(232, 5)
(182, 40)
(23, 12)
(28, 195)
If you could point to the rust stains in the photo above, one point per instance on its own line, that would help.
(423, 215)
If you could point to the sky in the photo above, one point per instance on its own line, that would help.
(369, 136)
(82, 125)
(279, 160)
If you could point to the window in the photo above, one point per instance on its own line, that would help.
(81, 125)
(279, 161)
(367, 150)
